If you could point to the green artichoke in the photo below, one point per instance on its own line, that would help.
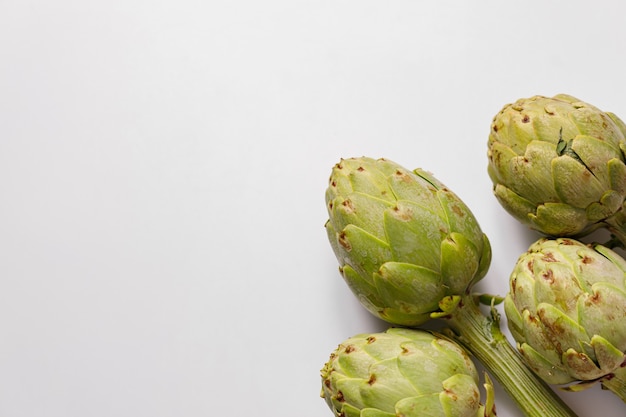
(411, 250)
(566, 308)
(557, 165)
(403, 372)
(403, 240)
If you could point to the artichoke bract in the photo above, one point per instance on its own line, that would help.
(403, 240)
(557, 165)
(403, 372)
(566, 309)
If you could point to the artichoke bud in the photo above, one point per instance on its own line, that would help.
(404, 241)
(557, 164)
(566, 309)
(403, 372)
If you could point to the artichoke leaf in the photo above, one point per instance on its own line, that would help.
(574, 182)
(459, 262)
(364, 290)
(414, 234)
(460, 396)
(610, 202)
(402, 282)
(531, 173)
(514, 318)
(594, 154)
(407, 186)
(608, 357)
(617, 175)
(348, 410)
(559, 219)
(360, 210)
(374, 412)
(500, 156)
(364, 252)
(432, 360)
(516, 205)
(561, 327)
(383, 346)
(551, 372)
(349, 388)
(383, 387)
(370, 181)
(581, 366)
(355, 362)
(535, 335)
(458, 216)
(421, 405)
(618, 123)
(603, 313)
(617, 260)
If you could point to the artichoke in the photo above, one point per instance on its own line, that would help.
(403, 240)
(557, 165)
(566, 309)
(403, 372)
(411, 250)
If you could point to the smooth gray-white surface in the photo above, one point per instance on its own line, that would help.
(162, 176)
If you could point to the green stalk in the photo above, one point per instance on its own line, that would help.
(616, 383)
(482, 336)
(615, 226)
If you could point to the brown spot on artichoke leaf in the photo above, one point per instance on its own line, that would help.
(403, 213)
(343, 241)
(555, 330)
(525, 119)
(340, 397)
(349, 349)
(371, 339)
(586, 260)
(372, 379)
(548, 276)
(348, 205)
(596, 298)
(451, 394)
(360, 169)
(458, 211)
(403, 176)
(548, 257)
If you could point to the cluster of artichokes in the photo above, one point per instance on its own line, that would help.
(558, 165)
(411, 251)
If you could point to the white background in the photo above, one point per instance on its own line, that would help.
(162, 176)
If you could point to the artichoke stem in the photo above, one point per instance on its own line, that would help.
(482, 336)
(618, 230)
(617, 382)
